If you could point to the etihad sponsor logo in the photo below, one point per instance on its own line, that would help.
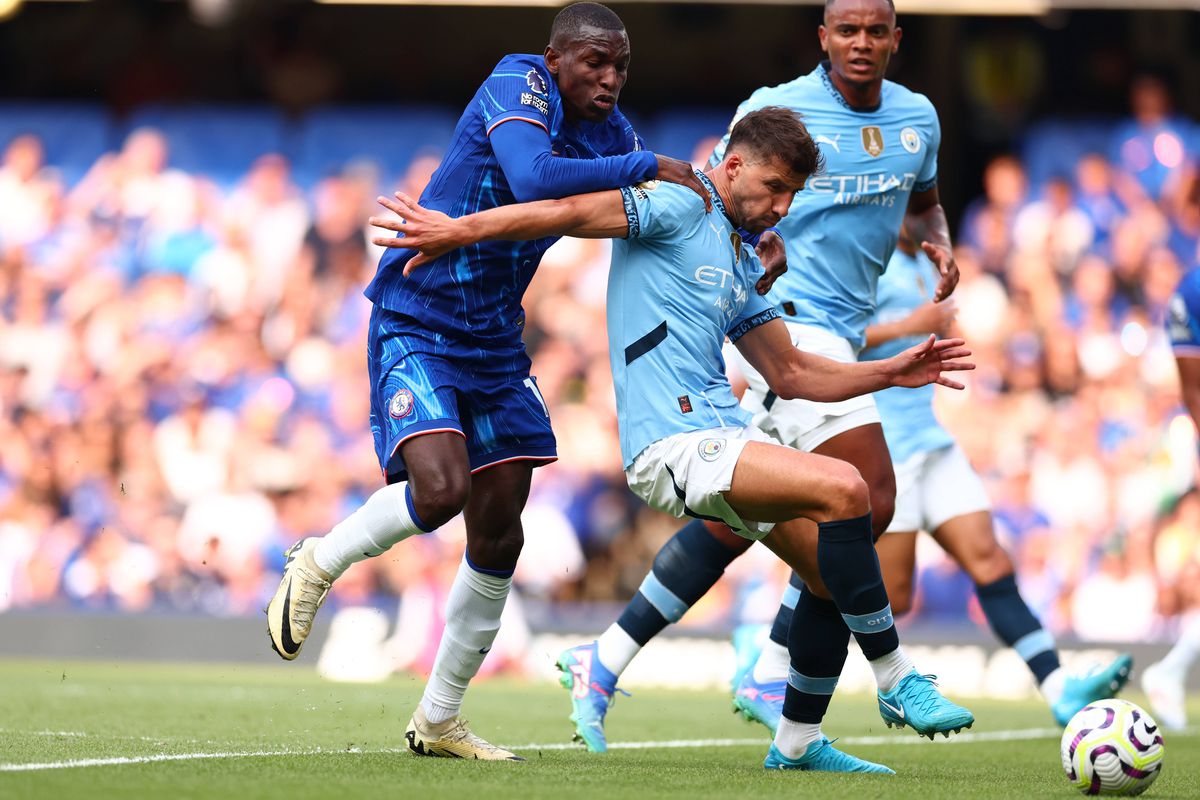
(878, 189)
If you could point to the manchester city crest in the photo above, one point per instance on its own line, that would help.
(909, 140)
(401, 404)
(711, 448)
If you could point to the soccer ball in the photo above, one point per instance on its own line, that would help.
(1112, 747)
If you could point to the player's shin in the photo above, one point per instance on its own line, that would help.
(388, 517)
(1016, 626)
(773, 662)
(850, 569)
(686, 567)
(473, 612)
(817, 640)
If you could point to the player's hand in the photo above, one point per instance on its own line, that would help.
(925, 363)
(773, 256)
(432, 233)
(942, 258)
(673, 170)
(933, 318)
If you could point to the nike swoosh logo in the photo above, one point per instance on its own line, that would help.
(483, 651)
(285, 633)
(899, 712)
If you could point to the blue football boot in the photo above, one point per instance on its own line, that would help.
(760, 702)
(917, 703)
(822, 756)
(592, 689)
(1099, 684)
(747, 644)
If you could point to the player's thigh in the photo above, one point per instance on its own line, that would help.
(504, 415)
(775, 483)
(412, 397)
(866, 448)
(897, 553)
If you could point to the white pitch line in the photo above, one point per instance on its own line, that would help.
(964, 738)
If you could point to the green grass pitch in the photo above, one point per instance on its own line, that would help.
(232, 732)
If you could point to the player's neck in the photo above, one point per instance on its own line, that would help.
(721, 184)
(860, 96)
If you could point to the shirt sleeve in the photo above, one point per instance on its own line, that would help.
(533, 172)
(927, 177)
(515, 90)
(757, 311)
(657, 210)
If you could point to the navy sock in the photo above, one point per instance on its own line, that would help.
(685, 568)
(848, 564)
(1016, 626)
(817, 645)
(783, 617)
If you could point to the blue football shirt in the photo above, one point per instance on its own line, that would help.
(842, 228)
(1183, 316)
(680, 282)
(909, 424)
(475, 292)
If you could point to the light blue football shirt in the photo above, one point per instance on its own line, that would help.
(843, 227)
(680, 282)
(909, 424)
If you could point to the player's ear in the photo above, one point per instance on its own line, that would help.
(552, 57)
(823, 36)
(896, 35)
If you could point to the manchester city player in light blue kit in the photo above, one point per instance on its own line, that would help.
(458, 420)
(880, 142)
(679, 284)
(939, 492)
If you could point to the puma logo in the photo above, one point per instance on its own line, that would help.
(823, 139)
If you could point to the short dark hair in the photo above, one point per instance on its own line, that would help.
(570, 22)
(777, 132)
(830, 3)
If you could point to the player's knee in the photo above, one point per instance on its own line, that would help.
(883, 505)
(989, 565)
(847, 495)
(497, 546)
(440, 497)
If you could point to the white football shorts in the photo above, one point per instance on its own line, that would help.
(934, 487)
(687, 474)
(804, 424)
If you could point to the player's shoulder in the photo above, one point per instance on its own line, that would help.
(901, 98)
(669, 201)
(529, 66)
(789, 93)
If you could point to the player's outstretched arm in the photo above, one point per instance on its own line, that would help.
(599, 215)
(926, 318)
(793, 373)
(925, 222)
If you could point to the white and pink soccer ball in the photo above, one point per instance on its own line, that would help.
(1112, 747)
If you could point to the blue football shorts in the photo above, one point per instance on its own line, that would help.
(425, 382)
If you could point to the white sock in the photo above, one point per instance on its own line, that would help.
(793, 738)
(1052, 687)
(773, 663)
(615, 648)
(379, 523)
(890, 669)
(472, 618)
(1186, 649)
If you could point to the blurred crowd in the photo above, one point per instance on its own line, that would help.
(183, 390)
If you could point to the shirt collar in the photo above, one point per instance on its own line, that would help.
(716, 198)
(823, 71)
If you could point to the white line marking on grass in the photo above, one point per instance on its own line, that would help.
(896, 739)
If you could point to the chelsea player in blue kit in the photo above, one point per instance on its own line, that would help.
(1165, 681)
(457, 418)
(680, 284)
(938, 491)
